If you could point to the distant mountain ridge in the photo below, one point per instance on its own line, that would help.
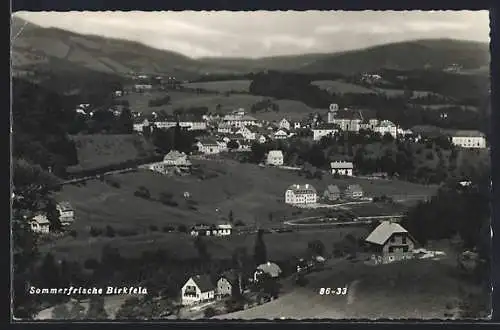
(37, 47)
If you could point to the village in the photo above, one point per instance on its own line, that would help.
(204, 295)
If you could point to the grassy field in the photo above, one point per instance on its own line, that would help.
(100, 150)
(288, 108)
(258, 193)
(400, 92)
(341, 87)
(222, 86)
(419, 289)
(376, 209)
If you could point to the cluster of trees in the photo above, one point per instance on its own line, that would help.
(103, 121)
(432, 160)
(284, 85)
(40, 121)
(264, 105)
(191, 111)
(174, 138)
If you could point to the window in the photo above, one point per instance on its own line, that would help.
(404, 239)
(393, 239)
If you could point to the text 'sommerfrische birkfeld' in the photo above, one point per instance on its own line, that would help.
(108, 290)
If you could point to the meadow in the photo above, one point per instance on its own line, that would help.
(99, 150)
(290, 109)
(254, 195)
(222, 86)
(341, 87)
(373, 292)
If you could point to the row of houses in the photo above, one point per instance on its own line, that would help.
(211, 230)
(300, 194)
(201, 288)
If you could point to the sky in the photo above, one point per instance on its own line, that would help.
(260, 33)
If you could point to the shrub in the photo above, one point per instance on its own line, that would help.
(110, 232)
(113, 183)
(168, 229)
(94, 232)
(91, 264)
(73, 233)
(153, 228)
(142, 192)
(239, 223)
(209, 312)
(182, 229)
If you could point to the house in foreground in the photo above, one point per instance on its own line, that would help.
(197, 289)
(390, 242)
(353, 191)
(269, 268)
(301, 194)
(40, 224)
(343, 168)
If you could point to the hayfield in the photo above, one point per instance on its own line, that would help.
(419, 289)
(98, 150)
(222, 86)
(291, 109)
(341, 87)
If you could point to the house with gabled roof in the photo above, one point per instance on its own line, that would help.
(197, 289)
(275, 158)
(228, 284)
(389, 242)
(326, 129)
(353, 191)
(269, 268)
(301, 194)
(176, 158)
(66, 213)
(284, 123)
(40, 224)
(332, 193)
(209, 146)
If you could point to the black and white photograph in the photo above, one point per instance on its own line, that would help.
(250, 165)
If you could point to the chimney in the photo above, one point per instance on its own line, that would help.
(307, 186)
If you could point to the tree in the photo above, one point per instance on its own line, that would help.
(316, 247)
(61, 312)
(233, 145)
(230, 216)
(96, 309)
(76, 311)
(209, 312)
(201, 247)
(32, 188)
(125, 122)
(260, 252)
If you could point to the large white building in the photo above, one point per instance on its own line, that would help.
(275, 157)
(324, 130)
(343, 168)
(301, 194)
(239, 120)
(469, 139)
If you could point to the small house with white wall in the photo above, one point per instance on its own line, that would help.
(197, 289)
(66, 213)
(469, 139)
(284, 123)
(275, 158)
(40, 224)
(322, 130)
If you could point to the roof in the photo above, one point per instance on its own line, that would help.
(270, 268)
(40, 219)
(302, 188)
(384, 231)
(65, 206)
(386, 123)
(174, 155)
(224, 226)
(275, 153)
(341, 164)
(326, 126)
(468, 133)
(231, 276)
(354, 187)
(333, 189)
(208, 142)
(203, 282)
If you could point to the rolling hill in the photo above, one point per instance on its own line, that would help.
(35, 46)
